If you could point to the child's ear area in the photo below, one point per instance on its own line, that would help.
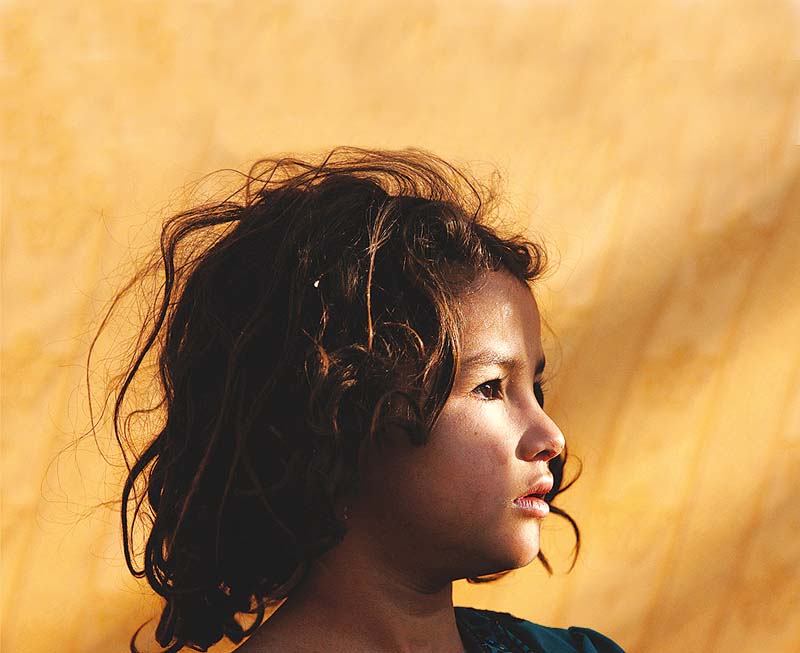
(392, 439)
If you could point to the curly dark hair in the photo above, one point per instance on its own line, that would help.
(297, 320)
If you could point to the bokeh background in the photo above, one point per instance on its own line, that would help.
(652, 145)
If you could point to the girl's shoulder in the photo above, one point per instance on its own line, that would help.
(498, 632)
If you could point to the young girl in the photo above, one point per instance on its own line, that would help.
(352, 415)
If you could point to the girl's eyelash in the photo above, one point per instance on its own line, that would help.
(540, 389)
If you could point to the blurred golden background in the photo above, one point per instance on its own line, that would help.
(654, 146)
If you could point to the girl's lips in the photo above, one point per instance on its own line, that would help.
(534, 506)
(539, 489)
(532, 502)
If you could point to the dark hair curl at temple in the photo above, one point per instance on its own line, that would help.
(299, 320)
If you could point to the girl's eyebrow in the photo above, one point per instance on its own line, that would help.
(487, 357)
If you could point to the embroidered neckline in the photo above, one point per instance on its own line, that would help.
(484, 633)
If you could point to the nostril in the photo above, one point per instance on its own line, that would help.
(551, 447)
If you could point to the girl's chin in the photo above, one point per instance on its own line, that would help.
(514, 558)
(525, 552)
(527, 558)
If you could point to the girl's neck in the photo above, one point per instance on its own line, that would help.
(354, 600)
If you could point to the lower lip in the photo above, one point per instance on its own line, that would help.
(532, 506)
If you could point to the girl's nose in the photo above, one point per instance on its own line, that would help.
(542, 441)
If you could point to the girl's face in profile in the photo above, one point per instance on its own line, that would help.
(454, 507)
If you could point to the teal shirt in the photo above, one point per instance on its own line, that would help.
(484, 631)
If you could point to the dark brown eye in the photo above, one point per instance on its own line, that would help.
(489, 389)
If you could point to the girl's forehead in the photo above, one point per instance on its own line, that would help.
(500, 311)
(500, 291)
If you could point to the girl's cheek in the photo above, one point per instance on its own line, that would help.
(489, 450)
(481, 468)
